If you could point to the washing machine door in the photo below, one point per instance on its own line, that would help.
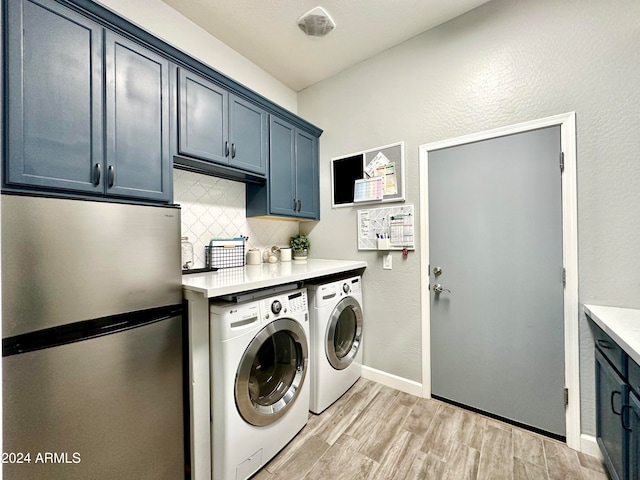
(271, 372)
(344, 333)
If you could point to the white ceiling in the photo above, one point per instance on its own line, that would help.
(265, 31)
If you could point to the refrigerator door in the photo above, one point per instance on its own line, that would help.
(65, 261)
(106, 408)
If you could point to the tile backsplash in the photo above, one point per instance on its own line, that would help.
(213, 207)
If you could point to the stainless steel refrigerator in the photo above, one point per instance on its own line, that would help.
(92, 340)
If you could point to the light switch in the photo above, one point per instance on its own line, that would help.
(387, 262)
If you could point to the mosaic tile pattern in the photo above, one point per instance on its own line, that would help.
(213, 207)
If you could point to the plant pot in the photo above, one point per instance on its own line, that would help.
(300, 254)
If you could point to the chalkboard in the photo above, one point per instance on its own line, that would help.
(386, 162)
(345, 172)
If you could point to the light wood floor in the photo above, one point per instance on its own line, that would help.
(375, 432)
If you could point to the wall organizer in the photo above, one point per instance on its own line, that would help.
(374, 176)
(386, 228)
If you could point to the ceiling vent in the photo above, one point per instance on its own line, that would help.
(316, 22)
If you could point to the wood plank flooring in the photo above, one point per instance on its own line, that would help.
(377, 433)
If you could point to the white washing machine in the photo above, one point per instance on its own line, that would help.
(336, 339)
(259, 381)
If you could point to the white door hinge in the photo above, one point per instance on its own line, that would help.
(566, 397)
(564, 277)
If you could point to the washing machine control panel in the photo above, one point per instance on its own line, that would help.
(276, 307)
(288, 303)
(298, 301)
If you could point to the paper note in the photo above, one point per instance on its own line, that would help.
(365, 223)
(388, 174)
(378, 161)
(367, 189)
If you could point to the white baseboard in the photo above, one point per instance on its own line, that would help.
(589, 446)
(393, 381)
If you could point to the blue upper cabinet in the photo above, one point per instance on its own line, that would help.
(282, 172)
(59, 71)
(138, 160)
(54, 98)
(202, 118)
(248, 135)
(96, 107)
(292, 189)
(307, 178)
(218, 126)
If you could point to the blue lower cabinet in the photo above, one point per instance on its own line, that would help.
(634, 436)
(611, 392)
(617, 407)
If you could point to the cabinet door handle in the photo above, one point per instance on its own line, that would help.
(233, 150)
(295, 204)
(112, 175)
(628, 429)
(603, 344)
(97, 173)
(299, 205)
(613, 409)
(226, 149)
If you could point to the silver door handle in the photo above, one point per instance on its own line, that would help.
(437, 288)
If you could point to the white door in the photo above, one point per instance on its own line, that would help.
(495, 252)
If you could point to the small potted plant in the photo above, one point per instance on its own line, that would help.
(300, 245)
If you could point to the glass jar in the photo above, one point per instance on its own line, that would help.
(187, 253)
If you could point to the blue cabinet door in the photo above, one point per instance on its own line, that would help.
(247, 135)
(611, 392)
(292, 188)
(634, 437)
(202, 118)
(307, 184)
(54, 98)
(138, 161)
(282, 168)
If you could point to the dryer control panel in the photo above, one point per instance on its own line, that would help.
(352, 285)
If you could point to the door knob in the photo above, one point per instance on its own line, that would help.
(437, 271)
(437, 288)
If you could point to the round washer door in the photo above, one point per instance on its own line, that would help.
(344, 333)
(271, 372)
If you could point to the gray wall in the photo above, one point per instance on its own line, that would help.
(506, 62)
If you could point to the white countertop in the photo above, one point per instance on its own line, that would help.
(251, 277)
(621, 324)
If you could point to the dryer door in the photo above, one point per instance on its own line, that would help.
(344, 333)
(271, 372)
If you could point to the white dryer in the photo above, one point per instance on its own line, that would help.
(336, 339)
(259, 385)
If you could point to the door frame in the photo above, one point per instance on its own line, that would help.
(567, 123)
